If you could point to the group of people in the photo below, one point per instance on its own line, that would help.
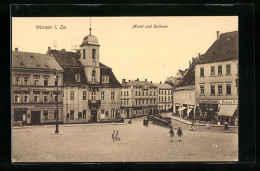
(179, 133)
(115, 136)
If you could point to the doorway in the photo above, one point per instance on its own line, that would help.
(35, 117)
(93, 115)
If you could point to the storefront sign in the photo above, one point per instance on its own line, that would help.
(47, 105)
(209, 101)
(228, 101)
(35, 89)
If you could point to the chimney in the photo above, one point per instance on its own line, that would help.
(189, 63)
(199, 55)
(151, 82)
(145, 80)
(137, 79)
(217, 35)
(192, 59)
(49, 49)
(16, 49)
(78, 51)
(123, 81)
(160, 82)
(63, 50)
(129, 80)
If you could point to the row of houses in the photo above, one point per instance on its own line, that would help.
(77, 88)
(208, 89)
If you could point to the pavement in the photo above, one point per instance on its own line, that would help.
(84, 143)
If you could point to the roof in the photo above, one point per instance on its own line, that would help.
(181, 71)
(90, 39)
(189, 77)
(113, 82)
(191, 87)
(139, 84)
(34, 61)
(163, 86)
(69, 76)
(224, 49)
(65, 58)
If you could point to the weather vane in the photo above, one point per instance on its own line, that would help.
(90, 27)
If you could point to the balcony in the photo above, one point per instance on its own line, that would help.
(94, 103)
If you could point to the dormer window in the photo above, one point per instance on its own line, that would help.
(93, 53)
(105, 78)
(77, 77)
(93, 76)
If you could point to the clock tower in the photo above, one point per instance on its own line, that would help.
(90, 58)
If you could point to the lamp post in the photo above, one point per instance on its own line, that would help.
(57, 101)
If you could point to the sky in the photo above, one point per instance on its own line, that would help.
(148, 52)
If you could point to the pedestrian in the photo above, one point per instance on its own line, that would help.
(113, 135)
(117, 136)
(207, 126)
(226, 126)
(171, 134)
(179, 133)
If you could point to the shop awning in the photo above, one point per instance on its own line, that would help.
(182, 109)
(227, 110)
(189, 110)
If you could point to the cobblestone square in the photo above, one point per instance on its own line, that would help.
(93, 143)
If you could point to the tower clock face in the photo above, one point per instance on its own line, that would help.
(93, 62)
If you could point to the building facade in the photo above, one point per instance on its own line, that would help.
(216, 83)
(165, 97)
(184, 94)
(37, 88)
(138, 98)
(91, 90)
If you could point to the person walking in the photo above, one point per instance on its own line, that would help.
(117, 136)
(179, 133)
(171, 134)
(113, 135)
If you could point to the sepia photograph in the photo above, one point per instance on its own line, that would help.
(125, 89)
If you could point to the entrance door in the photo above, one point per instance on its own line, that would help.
(20, 115)
(35, 117)
(93, 115)
(127, 113)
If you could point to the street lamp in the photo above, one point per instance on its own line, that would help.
(56, 78)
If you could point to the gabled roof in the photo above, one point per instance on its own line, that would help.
(65, 58)
(32, 60)
(224, 49)
(189, 77)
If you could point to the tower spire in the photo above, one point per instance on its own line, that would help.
(90, 27)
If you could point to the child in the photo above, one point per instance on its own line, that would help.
(117, 136)
(113, 135)
(171, 134)
(179, 133)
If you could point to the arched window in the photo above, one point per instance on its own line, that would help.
(93, 76)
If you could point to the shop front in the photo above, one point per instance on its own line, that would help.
(228, 112)
(208, 110)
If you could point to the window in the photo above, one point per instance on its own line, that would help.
(26, 81)
(71, 115)
(136, 102)
(143, 93)
(93, 53)
(45, 97)
(56, 82)
(71, 95)
(36, 97)
(202, 72)
(220, 70)
(112, 95)
(80, 115)
(93, 95)
(17, 98)
(17, 80)
(55, 97)
(45, 81)
(102, 95)
(228, 69)
(212, 70)
(151, 93)
(105, 78)
(56, 114)
(165, 99)
(93, 76)
(212, 89)
(45, 114)
(147, 101)
(84, 114)
(136, 93)
(126, 102)
(219, 89)
(139, 102)
(112, 113)
(139, 93)
(84, 95)
(84, 54)
(151, 101)
(202, 89)
(36, 81)
(25, 98)
(77, 77)
(121, 93)
(228, 89)
(147, 93)
(126, 93)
